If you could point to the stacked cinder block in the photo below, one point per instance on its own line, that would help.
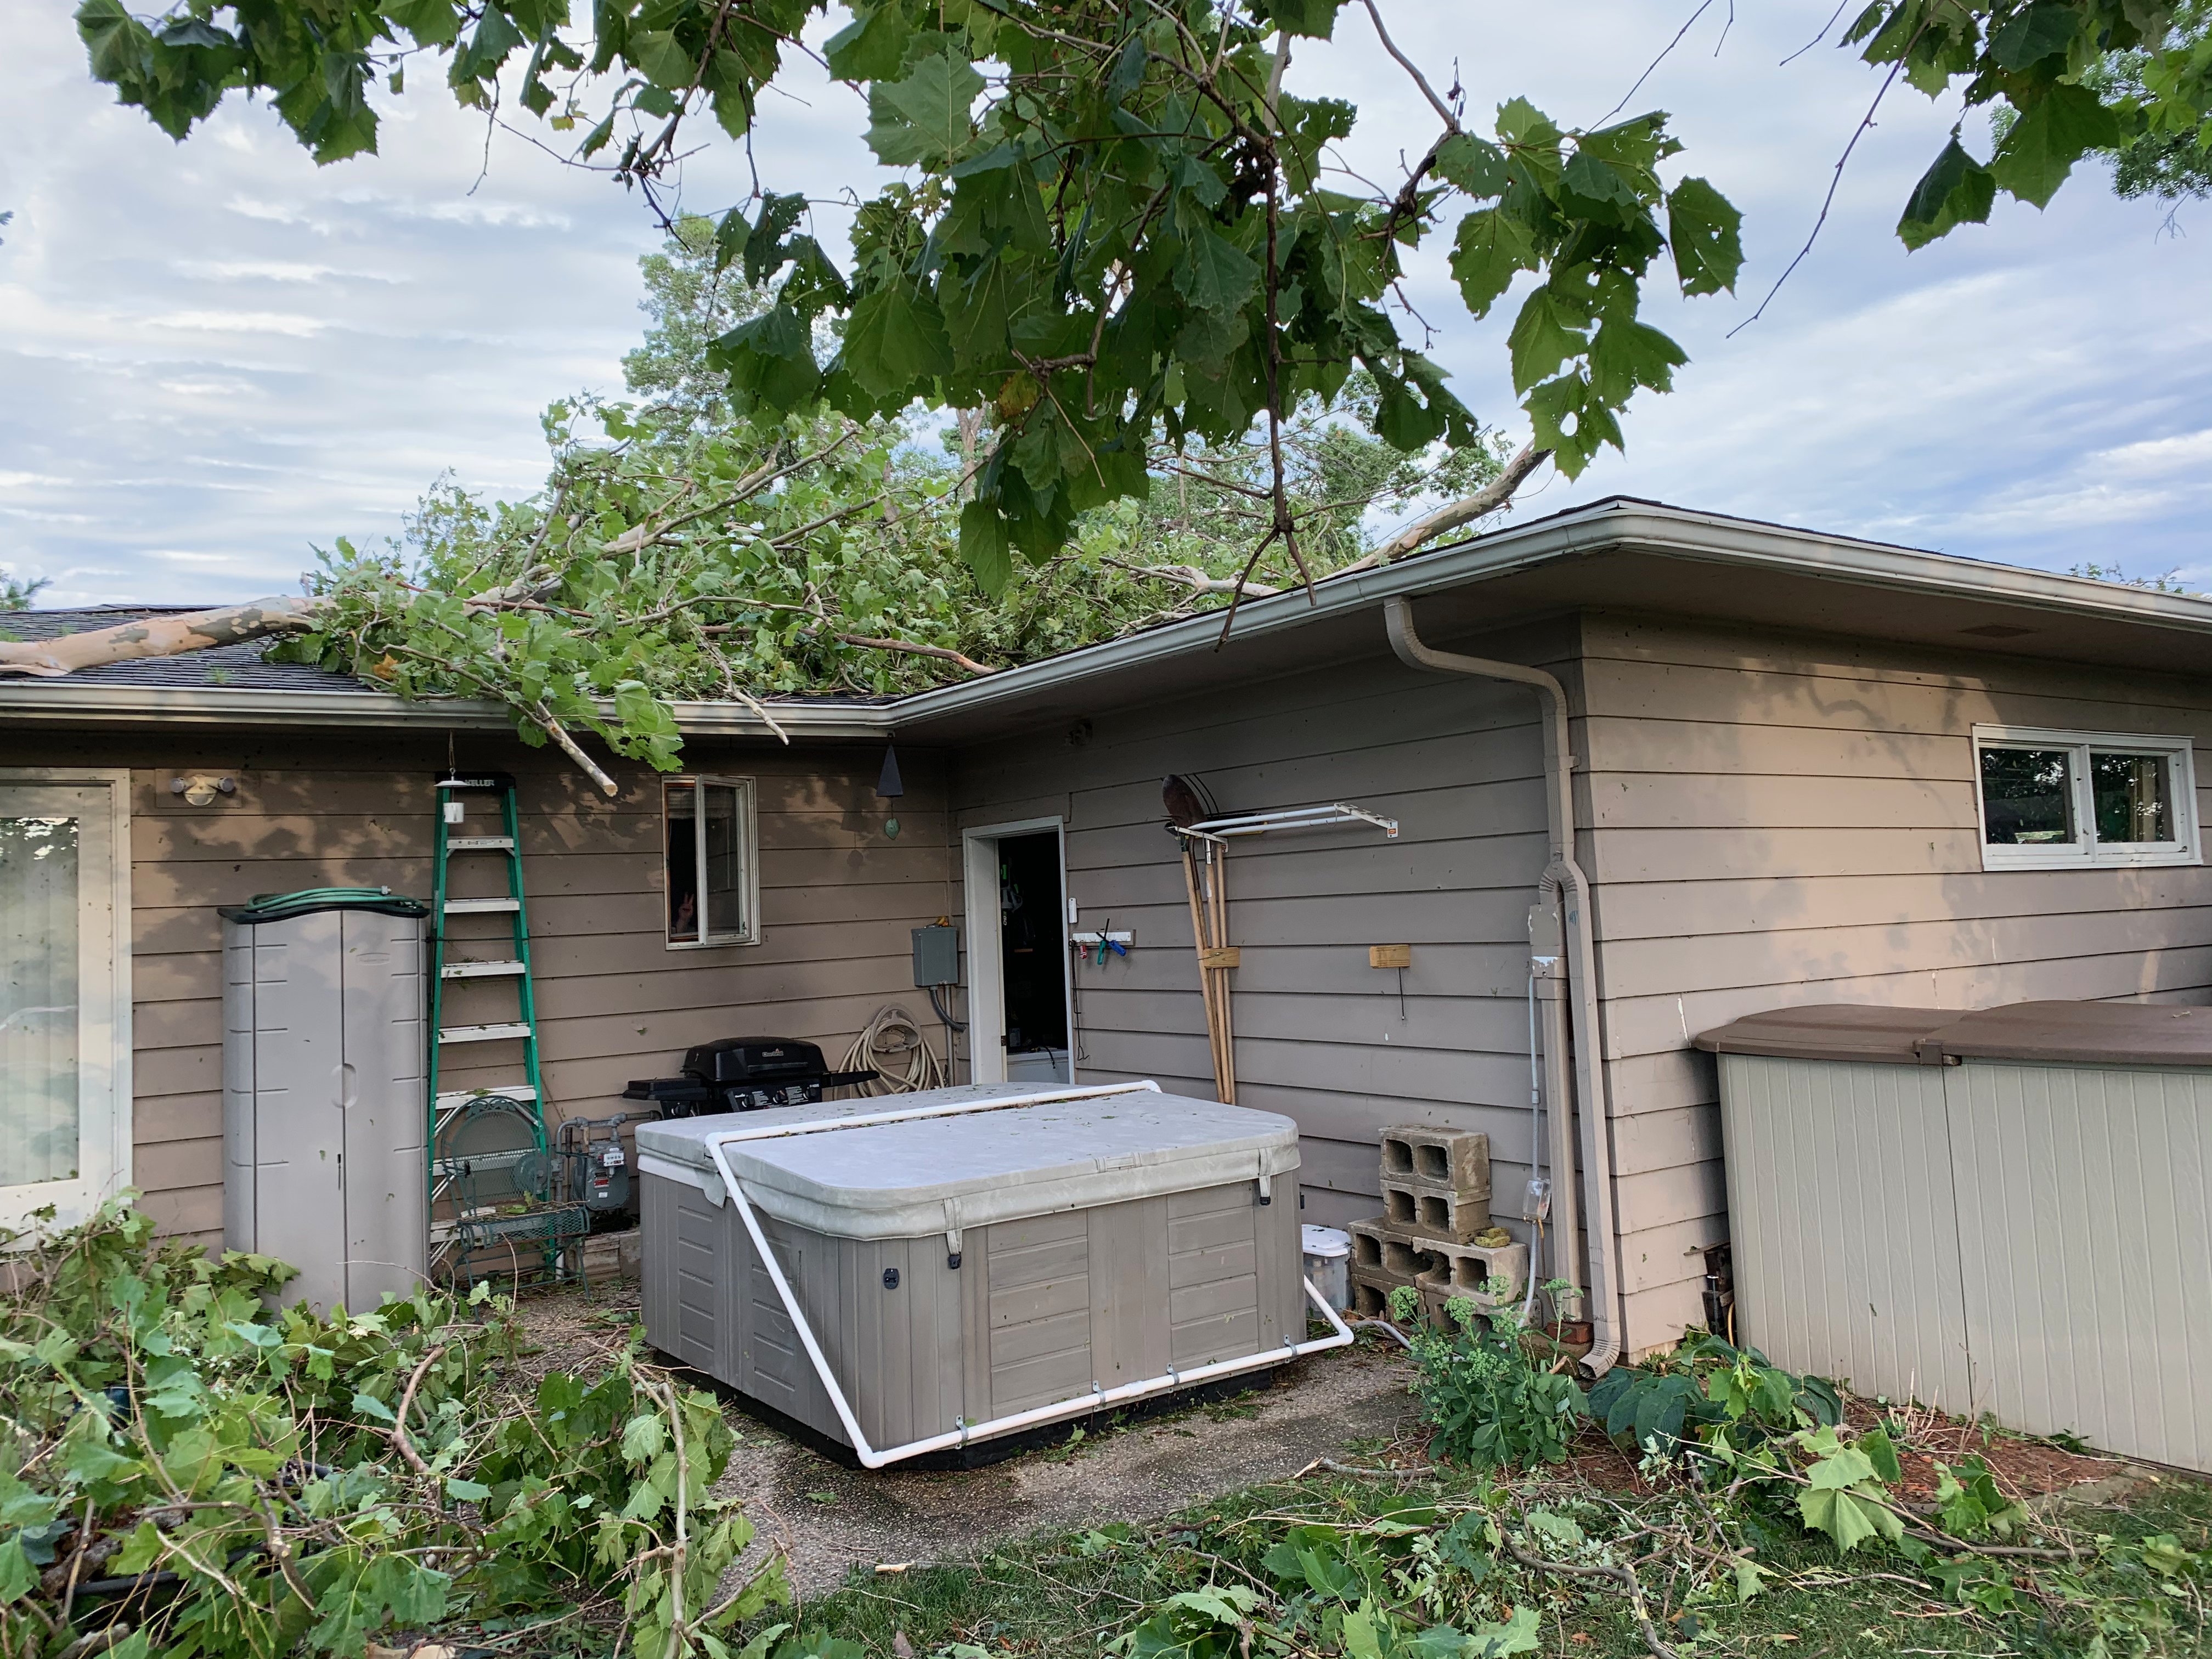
(1435, 1233)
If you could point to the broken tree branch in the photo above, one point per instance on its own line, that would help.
(159, 636)
(1485, 501)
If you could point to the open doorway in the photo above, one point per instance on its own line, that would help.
(1018, 969)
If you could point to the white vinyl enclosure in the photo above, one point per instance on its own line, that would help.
(64, 1128)
(2002, 1212)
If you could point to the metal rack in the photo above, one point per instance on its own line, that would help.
(1284, 817)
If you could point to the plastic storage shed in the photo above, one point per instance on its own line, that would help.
(972, 1262)
(2002, 1211)
(324, 1078)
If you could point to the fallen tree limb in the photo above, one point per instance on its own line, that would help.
(1487, 500)
(160, 636)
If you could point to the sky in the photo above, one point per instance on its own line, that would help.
(216, 357)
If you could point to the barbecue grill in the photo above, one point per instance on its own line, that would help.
(744, 1074)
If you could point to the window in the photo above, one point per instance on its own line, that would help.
(2064, 799)
(713, 862)
(64, 992)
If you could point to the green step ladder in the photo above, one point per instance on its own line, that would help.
(472, 1197)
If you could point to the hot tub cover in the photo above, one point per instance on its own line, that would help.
(930, 1175)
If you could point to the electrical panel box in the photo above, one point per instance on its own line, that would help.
(937, 955)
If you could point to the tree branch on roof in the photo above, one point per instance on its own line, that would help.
(159, 636)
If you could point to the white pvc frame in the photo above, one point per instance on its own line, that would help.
(987, 990)
(1097, 1400)
(749, 837)
(104, 1057)
(2085, 851)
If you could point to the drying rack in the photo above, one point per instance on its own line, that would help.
(1205, 870)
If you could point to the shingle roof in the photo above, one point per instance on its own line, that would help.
(239, 666)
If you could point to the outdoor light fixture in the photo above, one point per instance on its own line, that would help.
(200, 788)
(889, 786)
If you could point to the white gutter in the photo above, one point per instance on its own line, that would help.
(1593, 1107)
(1097, 1400)
(1629, 526)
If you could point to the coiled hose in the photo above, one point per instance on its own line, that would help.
(892, 1046)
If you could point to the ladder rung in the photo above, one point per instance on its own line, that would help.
(478, 907)
(477, 970)
(455, 1099)
(480, 843)
(482, 1033)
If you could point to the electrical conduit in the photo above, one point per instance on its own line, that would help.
(1098, 1399)
(1563, 880)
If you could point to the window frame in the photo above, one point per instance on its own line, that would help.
(749, 844)
(2086, 851)
(107, 1054)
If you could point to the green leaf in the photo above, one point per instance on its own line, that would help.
(984, 546)
(1623, 357)
(2034, 33)
(657, 55)
(1214, 274)
(873, 47)
(924, 117)
(432, 22)
(1312, 18)
(1956, 189)
(465, 1492)
(2052, 133)
(1492, 247)
(770, 358)
(1545, 334)
(1703, 229)
(894, 339)
(1881, 1453)
(1750, 1579)
(730, 234)
(1359, 1638)
(16, 1576)
(94, 1460)
(368, 1405)
(1518, 1634)
(1847, 1517)
(1472, 164)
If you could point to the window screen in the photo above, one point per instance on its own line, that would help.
(712, 852)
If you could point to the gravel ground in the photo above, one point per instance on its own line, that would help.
(828, 1519)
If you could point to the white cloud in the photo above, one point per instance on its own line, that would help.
(221, 346)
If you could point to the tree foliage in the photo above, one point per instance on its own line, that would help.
(195, 1472)
(689, 545)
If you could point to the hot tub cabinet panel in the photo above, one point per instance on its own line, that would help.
(1040, 1308)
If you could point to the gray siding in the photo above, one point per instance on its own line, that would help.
(837, 897)
(1781, 819)
(1320, 1034)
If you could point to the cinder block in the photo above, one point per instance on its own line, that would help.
(1387, 1252)
(1468, 1270)
(1433, 1213)
(1456, 1161)
(1370, 1296)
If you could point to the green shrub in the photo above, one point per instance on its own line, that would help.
(1490, 1404)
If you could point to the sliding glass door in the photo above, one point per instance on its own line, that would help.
(64, 1127)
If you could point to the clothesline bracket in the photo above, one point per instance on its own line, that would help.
(1221, 830)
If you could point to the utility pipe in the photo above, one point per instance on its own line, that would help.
(1097, 1400)
(1562, 877)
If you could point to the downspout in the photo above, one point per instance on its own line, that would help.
(1563, 883)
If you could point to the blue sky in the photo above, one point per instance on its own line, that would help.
(218, 356)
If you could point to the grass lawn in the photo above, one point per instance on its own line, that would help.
(1073, 1593)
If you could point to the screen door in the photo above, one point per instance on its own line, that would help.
(63, 1138)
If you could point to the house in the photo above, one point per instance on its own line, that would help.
(1804, 767)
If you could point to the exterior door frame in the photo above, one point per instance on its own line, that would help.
(101, 1060)
(986, 991)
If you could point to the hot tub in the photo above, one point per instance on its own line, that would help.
(961, 1264)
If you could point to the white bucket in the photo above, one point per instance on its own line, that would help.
(1328, 1252)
